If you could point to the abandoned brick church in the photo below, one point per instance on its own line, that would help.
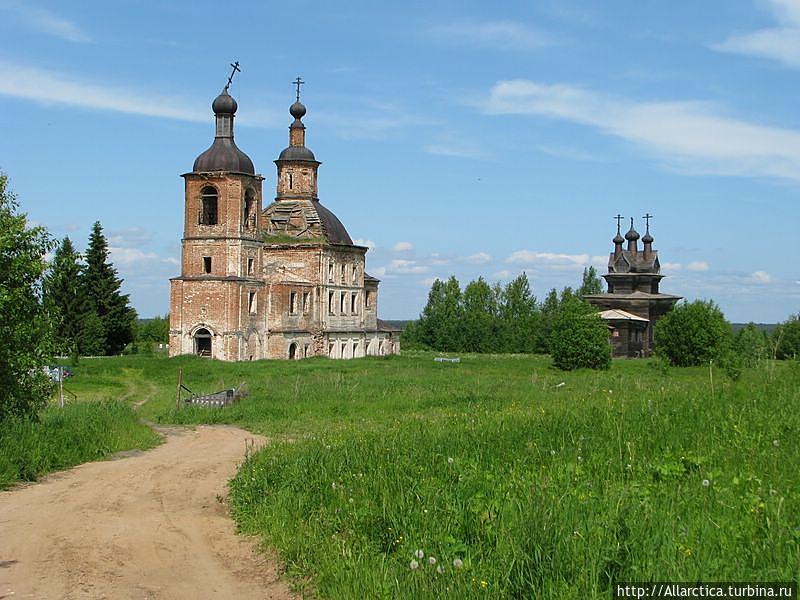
(284, 282)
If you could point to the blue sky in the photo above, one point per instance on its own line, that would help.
(460, 138)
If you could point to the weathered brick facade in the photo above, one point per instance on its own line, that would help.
(284, 282)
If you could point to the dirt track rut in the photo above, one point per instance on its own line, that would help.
(145, 526)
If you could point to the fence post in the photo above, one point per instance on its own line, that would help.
(178, 396)
(61, 387)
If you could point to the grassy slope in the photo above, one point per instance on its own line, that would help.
(555, 489)
(66, 437)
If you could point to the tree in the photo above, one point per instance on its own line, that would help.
(750, 345)
(591, 283)
(102, 287)
(25, 328)
(519, 316)
(787, 338)
(441, 324)
(692, 333)
(65, 299)
(579, 338)
(480, 317)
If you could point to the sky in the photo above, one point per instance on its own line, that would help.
(456, 138)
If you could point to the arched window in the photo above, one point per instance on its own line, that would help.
(249, 210)
(292, 351)
(202, 342)
(208, 209)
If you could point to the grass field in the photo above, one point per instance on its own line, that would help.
(498, 476)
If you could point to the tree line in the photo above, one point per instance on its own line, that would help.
(493, 318)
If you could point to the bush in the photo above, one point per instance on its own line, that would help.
(787, 338)
(579, 338)
(750, 344)
(693, 333)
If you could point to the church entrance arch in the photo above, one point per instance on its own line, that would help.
(292, 351)
(202, 342)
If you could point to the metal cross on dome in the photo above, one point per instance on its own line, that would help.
(647, 218)
(619, 219)
(298, 82)
(235, 68)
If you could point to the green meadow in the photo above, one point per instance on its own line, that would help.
(497, 476)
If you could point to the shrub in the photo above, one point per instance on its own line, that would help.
(750, 344)
(787, 338)
(579, 338)
(693, 333)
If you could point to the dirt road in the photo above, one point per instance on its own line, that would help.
(145, 526)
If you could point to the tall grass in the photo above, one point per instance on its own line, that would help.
(520, 481)
(65, 437)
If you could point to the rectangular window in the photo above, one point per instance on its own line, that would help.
(250, 263)
(342, 304)
(330, 304)
(353, 304)
(206, 264)
(306, 302)
(330, 271)
(342, 275)
(251, 303)
(355, 273)
(293, 303)
(368, 300)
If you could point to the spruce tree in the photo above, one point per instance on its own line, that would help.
(116, 316)
(65, 298)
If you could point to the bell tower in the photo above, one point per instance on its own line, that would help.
(297, 166)
(214, 304)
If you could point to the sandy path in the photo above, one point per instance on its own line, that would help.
(146, 526)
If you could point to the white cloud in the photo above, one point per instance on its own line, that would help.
(502, 274)
(428, 281)
(479, 258)
(698, 266)
(692, 136)
(780, 43)
(761, 277)
(130, 237)
(452, 145)
(57, 88)
(368, 243)
(403, 246)
(379, 271)
(548, 259)
(45, 21)
(670, 266)
(405, 267)
(501, 35)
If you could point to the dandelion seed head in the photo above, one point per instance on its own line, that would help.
(414, 565)
(431, 560)
(450, 460)
(776, 443)
(457, 563)
(419, 554)
(706, 483)
(440, 569)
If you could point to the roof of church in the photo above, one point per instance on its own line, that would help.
(224, 154)
(306, 221)
(634, 296)
(636, 262)
(616, 314)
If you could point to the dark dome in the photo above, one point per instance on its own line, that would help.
(297, 153)
(224, 155)
(618, 239)
(335, 232)
(224, 104)
(647, 239)
(297, 110)
(632, 234)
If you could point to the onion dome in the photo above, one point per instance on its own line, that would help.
(297, 149)
(618, 239)
(632, 234)
(224, 155)
(647, 238)
(224, 104)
